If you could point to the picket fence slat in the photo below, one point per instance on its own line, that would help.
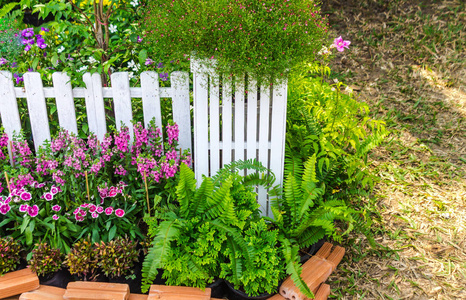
(252, 122)
(263, 140)
(181, 108)
(239, 119)
(122, 101)
(65, 102)
(201, 126)
(214, 126)
(151, 98)
(8, 105)
(95, 105)
(37, 108)
(277, 149)
(226, 144)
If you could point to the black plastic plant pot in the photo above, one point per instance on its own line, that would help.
(307, 253)
(218, 288)
(234, 294)
(60, 279)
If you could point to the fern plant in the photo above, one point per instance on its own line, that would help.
(187, 240)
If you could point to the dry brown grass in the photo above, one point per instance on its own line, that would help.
(408, 61)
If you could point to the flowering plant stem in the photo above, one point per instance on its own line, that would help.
(87, 186)
(7, 182)
(147, 193)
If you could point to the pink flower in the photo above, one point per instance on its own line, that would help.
(26, 196)
(119, 212)
(76, 211)
(84, 205)
(56, 208)
(79, 218)
(33, 210)
(4, 209)
(109, 210)
(55, 217)
(48, 196)
(23, 208)
(54, 190)
(82, 212)
(100, 209)
(92, 208)
(340, 44)
(95, 215)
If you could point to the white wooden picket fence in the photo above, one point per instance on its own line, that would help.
(230, 123)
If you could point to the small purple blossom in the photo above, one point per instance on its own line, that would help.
(139, 39)
(44, 29)
(18, 78)
(27, 33)
(3, 61)
(163, 76)
(149, 62)
(27, 48)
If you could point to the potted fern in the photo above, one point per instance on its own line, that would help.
(188, 241)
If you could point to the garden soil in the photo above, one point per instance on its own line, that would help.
(407, 61)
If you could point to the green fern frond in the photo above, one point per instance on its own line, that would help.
(235, 166)
(215, 204)
(293, 197)
(185, 188)
(199, 201)
(159, 252)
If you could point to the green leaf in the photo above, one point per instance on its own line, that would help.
(7, 8)
(112, 232)
(142, 56)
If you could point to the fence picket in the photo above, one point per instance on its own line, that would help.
(264, 140)
(151, 98)
(122, 101)
(239, 119)
(201, 130)
(37, 108)
(65, 102)
(181, 107)
(252, 122)
(277, 149)
(95, 105)
(226, 121)
(214, 126)
(8, 105)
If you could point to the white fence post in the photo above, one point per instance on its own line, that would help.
(65, 102)
(122, 101)
(181, 107)
(95, 108)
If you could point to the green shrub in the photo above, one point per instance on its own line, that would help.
(9, 255)
(82, 260)
(263, 38)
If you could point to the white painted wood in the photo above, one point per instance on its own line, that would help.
(151, 98)
(65, 102)
(239, 119)
(251, 135)
(181, 107)
(264, 141)
(37, 108)
(277, 141)
(95, 105)
(8, 105)
(201, 154)
(214, 126)
(122, 101)
(227, 132)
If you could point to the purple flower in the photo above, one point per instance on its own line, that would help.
(4, 209)
(3, 61)
(40, 42)
(27, 48)
(70, 58)
(109, 210)
(33, 210)
(26, 196)
(27, 33)
(18, 78)
(160, 65)
(163, 76)
(139, 39)
(44, 29)
(30, 70)
(14, 65)
(23, 208)
(119, 212)
(48, 196)
(149, 62)
(56, 207)
(55, 217)
(340, 44)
